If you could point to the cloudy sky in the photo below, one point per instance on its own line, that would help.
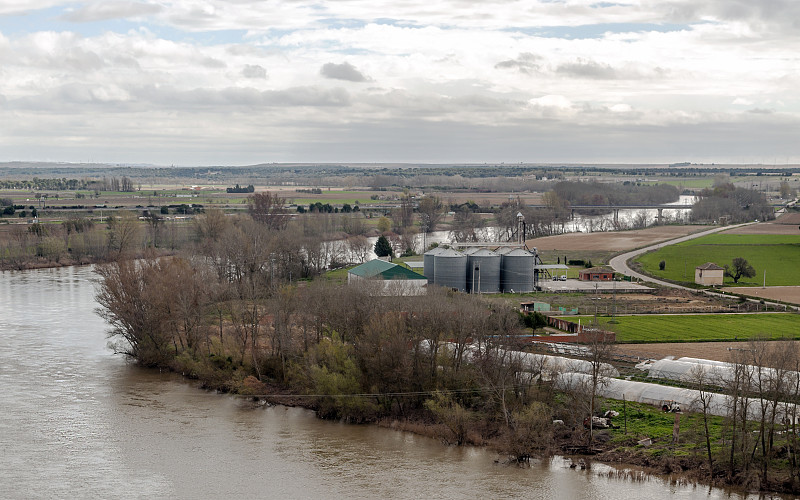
(210, 82)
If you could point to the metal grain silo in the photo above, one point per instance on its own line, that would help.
(483, 272)
(429, 262)
(470, 250)
(516, 271)
(450, 269)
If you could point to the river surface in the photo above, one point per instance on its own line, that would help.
(77, 421)
(579, 224)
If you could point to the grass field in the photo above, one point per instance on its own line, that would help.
(701, 327)
(693, 182)
(335, 201)
(779, 255)
(645, 420)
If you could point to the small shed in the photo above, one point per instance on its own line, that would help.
(709, 274)
(596, 274)
(535, 306)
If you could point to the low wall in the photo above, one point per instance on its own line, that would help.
(581, 333)
(579, 338)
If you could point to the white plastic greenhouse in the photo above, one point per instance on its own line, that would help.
(655, 394)
(547, 365)
(712, 372)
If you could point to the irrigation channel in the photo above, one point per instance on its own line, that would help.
(76, 421)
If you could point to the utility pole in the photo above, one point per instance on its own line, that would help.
(614, 309)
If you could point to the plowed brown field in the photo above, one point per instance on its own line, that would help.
(789, 294)
(718, 351)
(612, 241)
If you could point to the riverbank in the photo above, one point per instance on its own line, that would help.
(660, 458)
(38, 262)
(356, 357)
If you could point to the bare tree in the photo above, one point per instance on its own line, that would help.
(641, 219)
(700, 378)
(430, 211)
(210, 225)
(124, 233)
(599, 353)
(359, 247)
(466, 226)
(403, 216)
(738, 269)
(268, 209)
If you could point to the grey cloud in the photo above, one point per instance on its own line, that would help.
(250, 97)
(525, 63)
(64, 56)
(588, 69)
(761, 111)
(210, 62)
(254, 71)
(126, 61)
(103, 11)
(403, 103)
(344, 71)
(73, 98)
(85, 98)
(770, 17)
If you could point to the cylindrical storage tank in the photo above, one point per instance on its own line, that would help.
(450, 269)
(516, 271)
(470, 250)
(483, 272)
(503, 250)
(429, 262)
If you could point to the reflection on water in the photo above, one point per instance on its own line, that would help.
(77, 421)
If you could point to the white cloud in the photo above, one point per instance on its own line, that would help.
(114, 9)
(483, 69)
(552, 101)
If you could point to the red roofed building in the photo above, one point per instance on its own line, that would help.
(596, 274)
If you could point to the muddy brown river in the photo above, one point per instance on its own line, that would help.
(77, 421)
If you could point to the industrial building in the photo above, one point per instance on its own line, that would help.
(478, 269)
(387, 278)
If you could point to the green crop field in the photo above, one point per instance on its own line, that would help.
(778, 255)
(701, 327)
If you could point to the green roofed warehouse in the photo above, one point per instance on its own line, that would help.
(387, 278)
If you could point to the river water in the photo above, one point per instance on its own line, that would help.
(77, 421)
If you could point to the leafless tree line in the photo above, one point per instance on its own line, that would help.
(235, 313)
(761, 427)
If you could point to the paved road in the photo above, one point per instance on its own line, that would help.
(620, 262)
(620, 265)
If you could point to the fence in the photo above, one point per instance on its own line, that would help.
(657, 308)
